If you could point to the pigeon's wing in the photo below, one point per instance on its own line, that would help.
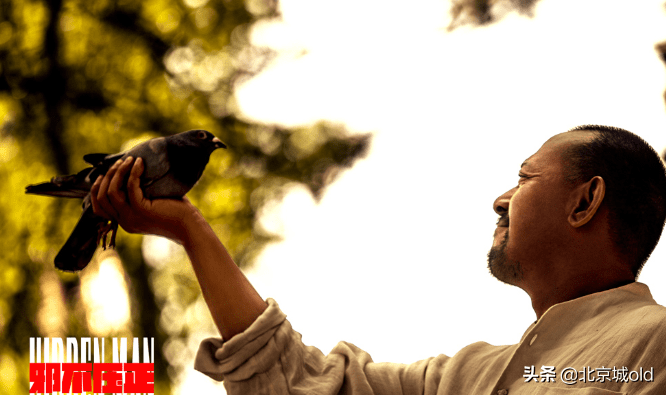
(155, 159)
(176, 164)
(96, 159)
(101, 163)
(72, 186)
(81, 244)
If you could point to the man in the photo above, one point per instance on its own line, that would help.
(574, 233)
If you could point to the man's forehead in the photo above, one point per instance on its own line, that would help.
(553, 147)
(572, 136)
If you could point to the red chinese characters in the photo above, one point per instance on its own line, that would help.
(98, 377)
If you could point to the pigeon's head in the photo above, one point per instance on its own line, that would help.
(199, 138)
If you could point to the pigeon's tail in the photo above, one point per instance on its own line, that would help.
(72, 186)
(81, 244)
(53, 189)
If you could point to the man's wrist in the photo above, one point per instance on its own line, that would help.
(193, 228)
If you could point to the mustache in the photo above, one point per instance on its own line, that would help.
(503, 220)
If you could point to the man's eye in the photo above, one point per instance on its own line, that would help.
(522, 177)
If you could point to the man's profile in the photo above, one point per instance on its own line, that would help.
(587, 212)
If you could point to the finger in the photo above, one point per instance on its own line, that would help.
(134, 191)
(93, 199)
(103, 193)
(116, 192)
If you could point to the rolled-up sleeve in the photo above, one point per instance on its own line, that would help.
(270, 358)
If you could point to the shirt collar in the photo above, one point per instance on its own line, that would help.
(589, 305)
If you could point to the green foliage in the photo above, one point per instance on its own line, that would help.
(79, 77)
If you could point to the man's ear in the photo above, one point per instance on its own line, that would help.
(585, 201)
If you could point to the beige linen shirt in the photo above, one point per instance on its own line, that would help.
(611, 342)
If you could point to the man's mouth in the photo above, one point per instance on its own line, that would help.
(503, 221)
(502, 228)
(502, 224)
(498, 230)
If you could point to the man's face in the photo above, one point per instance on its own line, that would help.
(533, 215)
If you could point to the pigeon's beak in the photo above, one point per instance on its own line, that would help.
(219, 143)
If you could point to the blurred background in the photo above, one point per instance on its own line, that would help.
(367, 142)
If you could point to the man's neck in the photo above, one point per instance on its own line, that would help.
(571, 289)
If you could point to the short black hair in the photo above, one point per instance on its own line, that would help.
(635, 180)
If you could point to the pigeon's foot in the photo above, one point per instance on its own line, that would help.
(104, 230)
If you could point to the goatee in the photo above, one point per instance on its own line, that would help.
(501, 267)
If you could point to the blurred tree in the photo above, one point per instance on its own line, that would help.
(77, 77)
(483, 12)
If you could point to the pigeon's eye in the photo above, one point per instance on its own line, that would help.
(202, 135)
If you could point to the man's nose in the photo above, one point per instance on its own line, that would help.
(501, 204)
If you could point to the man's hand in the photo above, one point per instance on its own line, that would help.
(136, 214)
(231, 299)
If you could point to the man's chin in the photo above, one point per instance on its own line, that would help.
(501, 267)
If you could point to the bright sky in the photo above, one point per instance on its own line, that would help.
(393, 258)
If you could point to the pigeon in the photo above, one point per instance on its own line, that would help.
(172, 165)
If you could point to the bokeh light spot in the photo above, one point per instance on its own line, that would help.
(6, 32)
(105, 296)
(168, 20)
(195, 3)
(8, 149)
(180, 60)
(204, 17)
(52, 312)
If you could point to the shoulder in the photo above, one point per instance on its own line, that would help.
(650, 317)
(641, 309)
(642, 325)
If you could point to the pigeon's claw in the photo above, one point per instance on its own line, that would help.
(104, 230)
(114, 231)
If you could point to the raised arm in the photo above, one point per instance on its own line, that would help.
(232, 300)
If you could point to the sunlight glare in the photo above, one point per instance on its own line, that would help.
(52, 314)
(105, 295)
